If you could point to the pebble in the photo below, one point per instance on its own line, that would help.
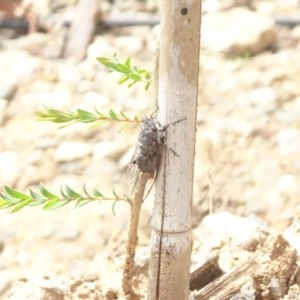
(69, 73)
(109, 149)
(263, 100)
(6, 280)
(237, 31)
(288, 141)
(131, 45)
(68, 233)
(289, 112)
(10, 167)
(30, 290)
(288, 185)
(218, 229)
(8, 87)
(70, 150)
(291, 234)
(3, 105)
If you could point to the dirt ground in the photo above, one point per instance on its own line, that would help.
(247, 161)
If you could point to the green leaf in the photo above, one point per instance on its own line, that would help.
(4, 204)
(16, 194)
(127, 62)
(71, 193)
(55, 203)
(131, 84)
(46, 193)
(147, 76)
(124, 116)
(86, 116)
(122, 69)
(115, 193)
(21, 205)
(123, 79)
(104, 61)
(135, 76)
(81, 202)
(113, 207)
(36, 196)
(96, 193)
(113, 115)
(86, 191)
(8, 198)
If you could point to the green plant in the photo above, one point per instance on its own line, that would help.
(16, 200)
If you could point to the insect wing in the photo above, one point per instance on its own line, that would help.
(129, 179)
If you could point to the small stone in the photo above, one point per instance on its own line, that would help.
(288, 185)
(6, 280)
(237, 31)
(288, 141)
(3, 105)
(68, 233)
(68, 151)
(292, 234)
(131, 45)
(264, 99)
(9, 167)
(109, 149)
(220, 228)
(8, 87)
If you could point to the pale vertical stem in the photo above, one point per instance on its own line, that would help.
(132, 240)
(177, 99)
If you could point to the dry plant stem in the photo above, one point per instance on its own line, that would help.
(82, 29)
(171, 239)
(230, 283)
(132, 239)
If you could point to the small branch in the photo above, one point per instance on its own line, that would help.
(132, 239)
(12, 198)
(82, 116)
(228, 284)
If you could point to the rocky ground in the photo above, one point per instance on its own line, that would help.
(247, 151)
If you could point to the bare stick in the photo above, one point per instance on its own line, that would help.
(171, 237)
(132, 239)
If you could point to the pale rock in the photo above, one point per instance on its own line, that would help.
(19, 64)
(289, 112)
(100, 47)
(288, 141)
(69, 73)
(109, 149)
(217, 5)
(287, 6)
(88, 70)
(94, 100)
(68, 232)
(57, 99)
(218, 229)
(84, 86)
(291, 234)
(3, 105)
(8, 87)
(70, 150)
(288, 185)
(131, 45)
(237, 31)
(100, 168)
(10, 167)
(6, 280)
(263, 99)
(265, 7)
(31, 290)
